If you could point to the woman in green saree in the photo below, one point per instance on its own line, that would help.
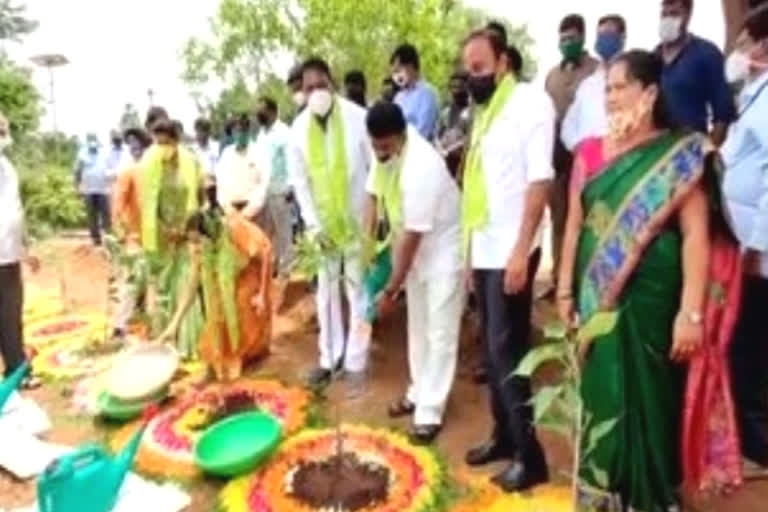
(639, 242)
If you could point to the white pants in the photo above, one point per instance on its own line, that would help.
(330, 281)
(434, 320)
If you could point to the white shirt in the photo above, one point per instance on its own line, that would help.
(208, 157)
(11, 214)
(587, 116)
(272, 147)
(241, 177)
(516, 151)
(359, 157)
(431, 206)
(745, 154)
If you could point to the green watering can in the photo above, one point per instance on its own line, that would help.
(88, 480)
(375, 280)
(12, 383)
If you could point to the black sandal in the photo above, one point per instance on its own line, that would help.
(424, 434)
(30, 383)
(401, 408)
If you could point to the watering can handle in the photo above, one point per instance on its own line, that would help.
(65, 466)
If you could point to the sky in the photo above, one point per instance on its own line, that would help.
(119, 50)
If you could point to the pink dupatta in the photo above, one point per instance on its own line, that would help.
(711, 453)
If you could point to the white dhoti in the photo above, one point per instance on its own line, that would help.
(329, 314)
(434, 320)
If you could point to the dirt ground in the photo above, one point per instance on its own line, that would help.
(71, 265)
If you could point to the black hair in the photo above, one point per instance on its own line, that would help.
(270, 103)
(459, 75)
(574, 22)
(499, 28)
(756, 23)
(385, 119)
(646, 67)
(154, 114)
(406, 55)
(514, 60)
(617, 20)
(355, 77)
(494, 40)
(202, 125)
(687, 4)
(165, 126)
(137, 133)
(316, 64)
(242, 121)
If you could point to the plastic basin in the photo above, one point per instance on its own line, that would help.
(142, 371)
(237, 444)
(124, 410)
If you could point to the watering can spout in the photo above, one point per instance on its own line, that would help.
(12, 383)
(126, 457)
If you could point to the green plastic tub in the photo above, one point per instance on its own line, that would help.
(238, 444)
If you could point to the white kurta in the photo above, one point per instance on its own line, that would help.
(434, 287)
(330, 279)
(587, 116)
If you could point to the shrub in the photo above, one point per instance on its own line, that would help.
(51, 202)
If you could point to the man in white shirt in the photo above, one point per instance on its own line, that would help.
(204, 150)
(329, 159)
(410, 184)
(241, 180)
(745, 154)
(11, 254)
(587, 116)
(272, 147)
(507, 180)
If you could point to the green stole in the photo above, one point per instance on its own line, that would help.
(474, 207)
(329, 175)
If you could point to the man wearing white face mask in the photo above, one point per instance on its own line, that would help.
(329, 157)
(745, 154)
(693, 79)
(411, 185)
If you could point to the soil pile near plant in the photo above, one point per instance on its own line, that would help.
(348, 484)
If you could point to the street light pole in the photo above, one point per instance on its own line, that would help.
(51, 61)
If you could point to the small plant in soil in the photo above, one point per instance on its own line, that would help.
(227, 406)
(340, 483)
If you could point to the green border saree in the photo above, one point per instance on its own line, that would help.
(629, 260)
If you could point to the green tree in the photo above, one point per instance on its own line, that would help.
(250, 37)
(13, 23)
(19, 99)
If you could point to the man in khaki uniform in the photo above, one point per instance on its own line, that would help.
(561, 84)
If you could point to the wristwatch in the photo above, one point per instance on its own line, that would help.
(693, 317)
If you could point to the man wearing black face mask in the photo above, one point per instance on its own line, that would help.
(453, 126)
(507, 177)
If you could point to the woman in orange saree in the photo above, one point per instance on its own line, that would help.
(232, 260)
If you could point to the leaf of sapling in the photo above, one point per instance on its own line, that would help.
(543, 399)
(598, 325)
(600, 476)
(598, 432)
(537, 357)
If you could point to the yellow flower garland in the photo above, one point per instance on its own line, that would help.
(417, 476)
(167, 448)
(486, 497)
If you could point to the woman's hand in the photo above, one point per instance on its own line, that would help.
(687, 338)
(567, 311)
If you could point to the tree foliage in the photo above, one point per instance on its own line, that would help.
(13, 24)
(252, 40)
(19, 99)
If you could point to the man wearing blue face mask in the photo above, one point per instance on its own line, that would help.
(587, 117)
(93, 179)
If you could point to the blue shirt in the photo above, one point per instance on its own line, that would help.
(745, 154)
(694, 83)
(94, 172)
(420, 107)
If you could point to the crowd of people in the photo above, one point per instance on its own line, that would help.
(652, 163)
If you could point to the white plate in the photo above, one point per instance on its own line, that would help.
(142, 371)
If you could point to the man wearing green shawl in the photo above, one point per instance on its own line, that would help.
(411, 185)
(329, 157)
(506, 184)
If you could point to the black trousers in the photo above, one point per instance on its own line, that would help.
(506, 325)
(11, 300)
(749, 369)
(99, 215)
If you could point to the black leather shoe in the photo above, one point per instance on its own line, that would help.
(319, 378)
(521, 477)
(490, 451)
